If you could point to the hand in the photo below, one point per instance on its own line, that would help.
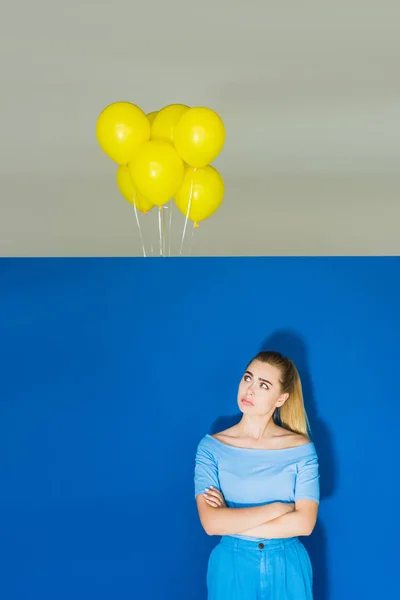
(214, 497)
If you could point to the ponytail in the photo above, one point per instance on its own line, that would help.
(292, 415)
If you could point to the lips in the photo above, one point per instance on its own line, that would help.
(247, 402)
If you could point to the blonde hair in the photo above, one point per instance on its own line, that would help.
(292, 415)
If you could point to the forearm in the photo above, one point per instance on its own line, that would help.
(231, 521)
(288, 525)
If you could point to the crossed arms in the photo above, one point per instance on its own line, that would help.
(274, 520)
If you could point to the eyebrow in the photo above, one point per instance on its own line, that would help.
(260, 378)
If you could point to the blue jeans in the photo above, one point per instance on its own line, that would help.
(249, 570)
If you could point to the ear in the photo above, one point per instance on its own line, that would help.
(281, 400)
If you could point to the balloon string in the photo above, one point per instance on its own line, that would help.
(136, 212)
(164, 232)
(170, 230)
(151, 244)
(188, 210)
(160, 229)
(152, 247)
(191, 238)
(140, 230)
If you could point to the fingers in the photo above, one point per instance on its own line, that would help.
(214, 493)
(214, 497)
(213, 503)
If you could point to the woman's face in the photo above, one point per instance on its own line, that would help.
(260, 389)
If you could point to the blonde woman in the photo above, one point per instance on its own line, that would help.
(257, 486)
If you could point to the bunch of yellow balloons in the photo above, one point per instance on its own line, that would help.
(165, 155)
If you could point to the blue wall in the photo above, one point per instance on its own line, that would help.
(113, 369)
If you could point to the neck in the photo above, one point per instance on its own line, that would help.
(257, 428)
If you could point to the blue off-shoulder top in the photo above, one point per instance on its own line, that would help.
(255, 476)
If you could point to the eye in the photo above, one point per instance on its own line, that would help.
(246, 377)
(266, 386)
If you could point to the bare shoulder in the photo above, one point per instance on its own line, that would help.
(301, 440)
(226, 434)
(289, 439)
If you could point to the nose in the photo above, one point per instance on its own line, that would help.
(250, 388)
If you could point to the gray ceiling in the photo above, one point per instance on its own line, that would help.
(309, 93)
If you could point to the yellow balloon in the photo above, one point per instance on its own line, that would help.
(151, 116)
(203, 189)
(125, 186)
(164, 124)
(199, 136)
(120, 129)
(157, 172)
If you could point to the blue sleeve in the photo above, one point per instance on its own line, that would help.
(307, 479)
(206, 469)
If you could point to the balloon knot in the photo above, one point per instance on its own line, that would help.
(196, 225)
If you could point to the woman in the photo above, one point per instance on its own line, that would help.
(257, 486)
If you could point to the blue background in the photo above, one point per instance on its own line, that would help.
(113, 369)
